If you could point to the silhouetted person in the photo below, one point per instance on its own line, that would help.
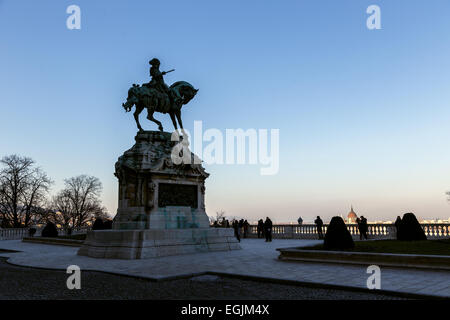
(319, 225)
(397, 223)
(260, 228)
(241, 226)
(268, 229)
(300, 220)
(31, 232)
(215, 224)
(237, 232)
(228, 224)
(246, 225)
(363, 230)
(358, 222)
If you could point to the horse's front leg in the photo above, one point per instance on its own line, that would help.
(174, 121)
(178, 114)
(136, 117)
(151, 118)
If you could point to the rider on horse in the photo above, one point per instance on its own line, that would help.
(158, 83)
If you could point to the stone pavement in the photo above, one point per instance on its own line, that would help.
(257, 259)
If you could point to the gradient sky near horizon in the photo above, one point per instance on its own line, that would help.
(363, 114)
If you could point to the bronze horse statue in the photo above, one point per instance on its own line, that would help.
(180, 93)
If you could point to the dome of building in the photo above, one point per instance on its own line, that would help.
(351, 217)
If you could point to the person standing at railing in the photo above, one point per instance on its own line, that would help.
(268, 229)
(260, 228)
(246, 225)
(319, 225)
(363, 228)
(397, 223)
(31, 231)
(237, 231)
(300, 220)
(358, 222)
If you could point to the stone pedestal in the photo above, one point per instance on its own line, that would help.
(161, 205)
(151, 243)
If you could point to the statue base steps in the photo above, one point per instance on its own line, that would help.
(151, 243)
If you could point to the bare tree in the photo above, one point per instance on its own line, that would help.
(220, 215)
(35, 196)
(23, 189)
(62, 211)
(41, 214)
(83, 196)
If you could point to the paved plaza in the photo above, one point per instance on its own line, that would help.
(24, 283)
(257, 259)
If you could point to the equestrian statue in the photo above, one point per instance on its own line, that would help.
(156, 96)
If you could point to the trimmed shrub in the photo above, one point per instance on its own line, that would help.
(50, 230)
(338, 237)
(98, 224)
(107, 224)
(410, 229)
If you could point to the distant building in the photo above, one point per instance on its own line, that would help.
(351, 217)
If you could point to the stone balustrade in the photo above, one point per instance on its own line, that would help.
(436, 231)
(284, 231)
(375, 231)
(13, 233)
(19, 233)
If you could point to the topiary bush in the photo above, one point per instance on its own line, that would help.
(338, 237)
(409, 229)
(50, 230)
(98, 224)
(107, 224)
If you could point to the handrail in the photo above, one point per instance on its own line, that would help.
(374, 231)
(281, 231)
(19, 233)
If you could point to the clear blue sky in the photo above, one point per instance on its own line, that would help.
(363, 115)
